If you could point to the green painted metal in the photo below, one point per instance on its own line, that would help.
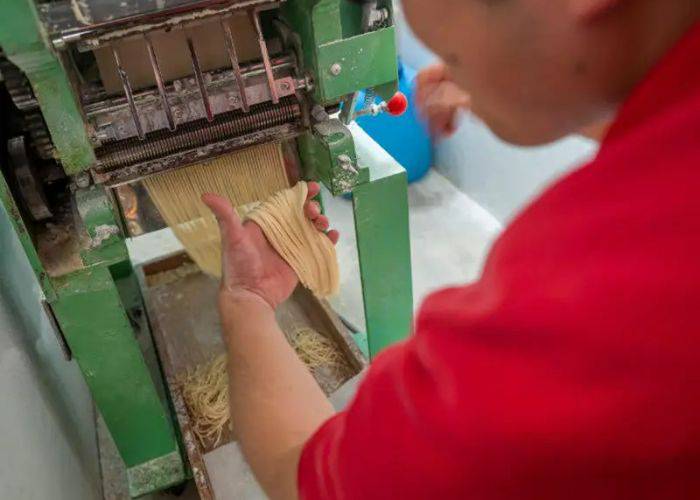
(341, 60)
(322, 151)
(327, 32)
(106, 295)
(383, 243)
(156, 474)
(93, 319)
(25, 239)
(96, 208)
(23, 42)
(363, 61)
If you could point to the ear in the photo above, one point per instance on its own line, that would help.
(586, 10)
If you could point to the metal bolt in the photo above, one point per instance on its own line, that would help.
(284, 86)
(336, 69)
(307, 82)
(82, 180)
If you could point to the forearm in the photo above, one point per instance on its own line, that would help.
(276, 404)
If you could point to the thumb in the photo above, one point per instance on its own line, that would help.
(230, 224)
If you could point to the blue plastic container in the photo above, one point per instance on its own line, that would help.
(404, 137)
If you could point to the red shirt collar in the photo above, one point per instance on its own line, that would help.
(673, 80)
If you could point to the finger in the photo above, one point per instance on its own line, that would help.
(321, 223)
(432, 74)
(427, 80)
(442, 129)
(312, 210)
(439, 121)
(229, 223)
(333, 235)
(314, 189)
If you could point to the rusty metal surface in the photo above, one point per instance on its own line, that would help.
(112, 118)
(187, 330)
(170, 368)
(201, 139)
(28, 181)
(138, 171)
(66, 25)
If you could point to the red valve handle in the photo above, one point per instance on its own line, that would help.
(397, 105)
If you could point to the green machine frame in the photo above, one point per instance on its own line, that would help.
(99, 309)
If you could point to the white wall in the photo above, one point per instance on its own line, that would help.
(48, 448)
(499, 177)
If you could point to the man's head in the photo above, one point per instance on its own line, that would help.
(540, 69)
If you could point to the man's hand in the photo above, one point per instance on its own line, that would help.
(439, 99)
(276, 405)
(251, 267)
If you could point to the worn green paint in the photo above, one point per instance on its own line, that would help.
(127, 284)
(155, 474)
(96, 208)
(383, 244)
(366, 60)
(97, 329)
(24, 43)
(327, 32)
(320, 150)
(25, 239)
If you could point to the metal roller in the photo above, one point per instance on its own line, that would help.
(196, 134)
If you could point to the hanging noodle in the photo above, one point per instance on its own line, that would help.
(244, 177)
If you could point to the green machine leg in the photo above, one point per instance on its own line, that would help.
(100, 311)
(94, 308)
(100, 335)
(343, 59)
(380, 202)
(91, 307)
(383, 245)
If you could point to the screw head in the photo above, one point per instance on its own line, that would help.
(82, 180)
(336, 69)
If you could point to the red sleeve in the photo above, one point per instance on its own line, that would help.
(565, 372)
(572, 368)
(505, 409)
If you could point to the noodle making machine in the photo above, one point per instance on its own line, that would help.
(99, 94)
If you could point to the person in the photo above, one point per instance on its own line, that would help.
(570, 368)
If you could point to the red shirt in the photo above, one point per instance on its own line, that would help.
(571, 369)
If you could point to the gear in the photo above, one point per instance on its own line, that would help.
(18, 86)
(22, 96)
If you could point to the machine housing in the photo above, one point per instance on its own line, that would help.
(99, 94)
